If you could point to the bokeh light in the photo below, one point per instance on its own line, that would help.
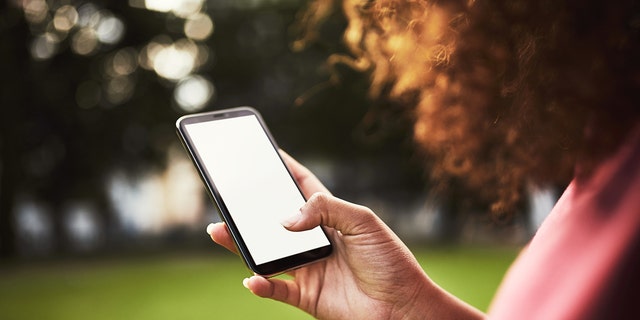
(156, 201)
(88, 27)
(204, 55)
(109, 29)
(186, 8)
(119, 89)
(123, 62)
(180, 8)
(65, 18)
(193, 93)
(86, 12)
(91, 29)
(35, 11)
(150, 51)
(81, 222)
(44, 46)
(198, 26)
(84, 42)
(34, 227)
(174, 61)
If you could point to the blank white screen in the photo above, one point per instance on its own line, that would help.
(255, 186)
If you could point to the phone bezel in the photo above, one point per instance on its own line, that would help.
(270, 268)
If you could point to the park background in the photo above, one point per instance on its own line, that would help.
(102, 215)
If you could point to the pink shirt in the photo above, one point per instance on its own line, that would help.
(584, 261)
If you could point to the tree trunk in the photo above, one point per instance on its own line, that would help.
(14, 56)
(7, 199)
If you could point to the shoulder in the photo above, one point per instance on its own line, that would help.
(585, 256)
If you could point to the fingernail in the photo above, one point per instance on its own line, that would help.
(210, 228)
(245, 283)
(290, 221)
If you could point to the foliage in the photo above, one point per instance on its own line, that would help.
(68, 121)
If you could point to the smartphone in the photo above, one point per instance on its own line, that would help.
(253, 189)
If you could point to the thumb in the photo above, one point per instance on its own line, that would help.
(326, 210)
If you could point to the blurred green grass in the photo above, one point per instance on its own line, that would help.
(199, 286)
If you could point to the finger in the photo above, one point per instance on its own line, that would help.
(327, 210)
(220, 235)
(308, 182)
(286, 291)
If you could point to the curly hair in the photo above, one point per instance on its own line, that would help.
(504, 93)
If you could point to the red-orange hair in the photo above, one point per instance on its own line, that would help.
(504, 93)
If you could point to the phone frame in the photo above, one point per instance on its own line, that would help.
(270, 268)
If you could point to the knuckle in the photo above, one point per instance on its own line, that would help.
(367, 211)
(319, 199)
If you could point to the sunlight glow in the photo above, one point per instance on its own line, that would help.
(158, 202)
(34, 227)
(81, 222)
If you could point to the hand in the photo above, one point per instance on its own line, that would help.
(370, 275)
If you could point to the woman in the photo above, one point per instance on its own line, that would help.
(506, 94)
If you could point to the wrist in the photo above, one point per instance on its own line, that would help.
(430, 301)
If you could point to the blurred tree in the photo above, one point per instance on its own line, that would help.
(68, 120)
(95, 86)
(13, 91)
